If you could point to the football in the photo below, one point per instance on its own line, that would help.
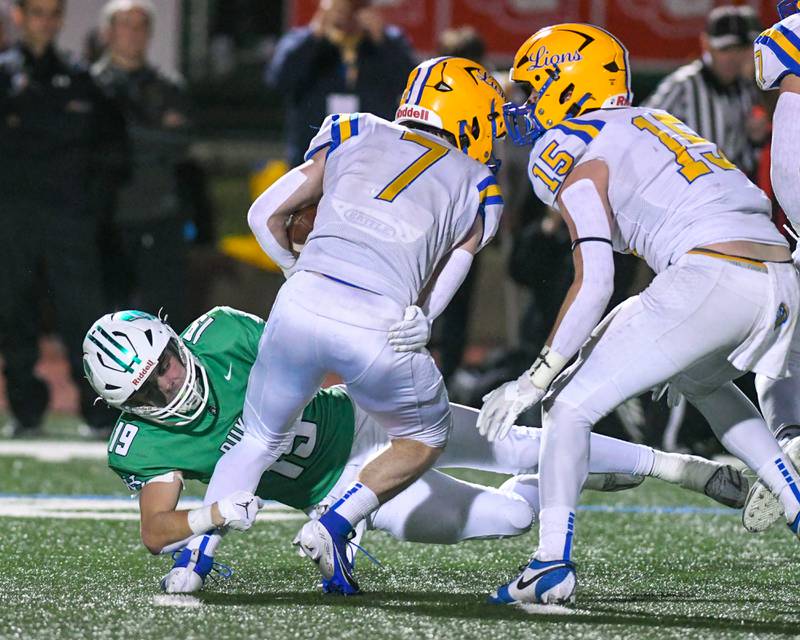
(299, 225)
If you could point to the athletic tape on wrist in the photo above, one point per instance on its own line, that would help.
(200, 520)
(546, 367)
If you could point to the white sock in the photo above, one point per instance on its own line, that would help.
(782, 479)
(556, 530)
(357, 502)
(609, 455)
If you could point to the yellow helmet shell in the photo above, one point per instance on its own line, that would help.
(460, 97)
(588, 66)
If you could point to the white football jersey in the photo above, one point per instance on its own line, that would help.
(777, 52)
(669, 189)
(395, 202)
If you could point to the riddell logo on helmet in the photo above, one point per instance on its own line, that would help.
(543, 58)
(143, 373)
(412, 112)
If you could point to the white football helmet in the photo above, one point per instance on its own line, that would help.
(121, 354)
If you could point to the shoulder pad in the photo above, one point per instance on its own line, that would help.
(557, 152)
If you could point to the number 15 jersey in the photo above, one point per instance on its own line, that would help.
(669, 189)
(395, 201)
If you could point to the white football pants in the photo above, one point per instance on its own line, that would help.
(318, 326)
(779, 399)
(689, 320)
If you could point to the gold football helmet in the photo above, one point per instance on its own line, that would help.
(569, 69)
(457, 96)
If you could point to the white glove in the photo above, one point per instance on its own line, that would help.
(412, 332)
(674, 396)
(239, 510)
(182, 580)
(502, 406)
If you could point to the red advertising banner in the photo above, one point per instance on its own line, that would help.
(655, 31)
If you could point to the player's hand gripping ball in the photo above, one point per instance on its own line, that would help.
(299, 225)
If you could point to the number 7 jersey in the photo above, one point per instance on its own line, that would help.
(395, 201)
(669, 189)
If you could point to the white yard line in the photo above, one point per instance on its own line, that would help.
(54, 450)
(102, 508)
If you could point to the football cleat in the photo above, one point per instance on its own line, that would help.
(612, 481)
(762, 509)
(795, 525)
(190, 570)
(325, 542)
(728, 486)
(541, 582)
(723, 483)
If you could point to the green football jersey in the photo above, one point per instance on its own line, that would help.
(225, 341)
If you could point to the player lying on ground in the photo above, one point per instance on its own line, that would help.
(724, 300)
(183, 397)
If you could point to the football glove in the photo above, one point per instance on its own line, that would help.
(502, 406)
(412, 332)
(239, 510)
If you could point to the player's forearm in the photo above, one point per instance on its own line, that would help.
(268, 214)
(163, 529)
(447, 282)
(580, 312)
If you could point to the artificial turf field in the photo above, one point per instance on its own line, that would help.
(655, 562)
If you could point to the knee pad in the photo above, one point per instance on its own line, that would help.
(519, 514)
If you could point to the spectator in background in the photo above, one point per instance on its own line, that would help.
(715, 95)
(62, 154)
(345, 60)
(5, 35)
(145, 239)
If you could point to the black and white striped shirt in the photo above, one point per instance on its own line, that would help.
(693, 95)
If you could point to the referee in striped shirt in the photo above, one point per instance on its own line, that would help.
(715, 94)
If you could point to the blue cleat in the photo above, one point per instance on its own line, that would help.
(541, 582)
(325, 541)
(795, 525)
(190, 569)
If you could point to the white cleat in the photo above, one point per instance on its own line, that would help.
(612, 481)
(762, 509)
(721, 482)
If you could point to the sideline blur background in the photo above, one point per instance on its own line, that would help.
(227, 53)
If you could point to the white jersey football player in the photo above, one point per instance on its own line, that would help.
(777, 65)
(724, 301)
(402, 208)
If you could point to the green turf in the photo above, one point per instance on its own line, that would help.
(641, 576)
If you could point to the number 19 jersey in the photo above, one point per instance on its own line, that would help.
(669, 189)
(225, 342)
(396, 201)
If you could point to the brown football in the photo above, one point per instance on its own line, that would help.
(299, 225)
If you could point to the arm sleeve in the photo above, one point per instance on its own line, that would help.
(597, 281)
